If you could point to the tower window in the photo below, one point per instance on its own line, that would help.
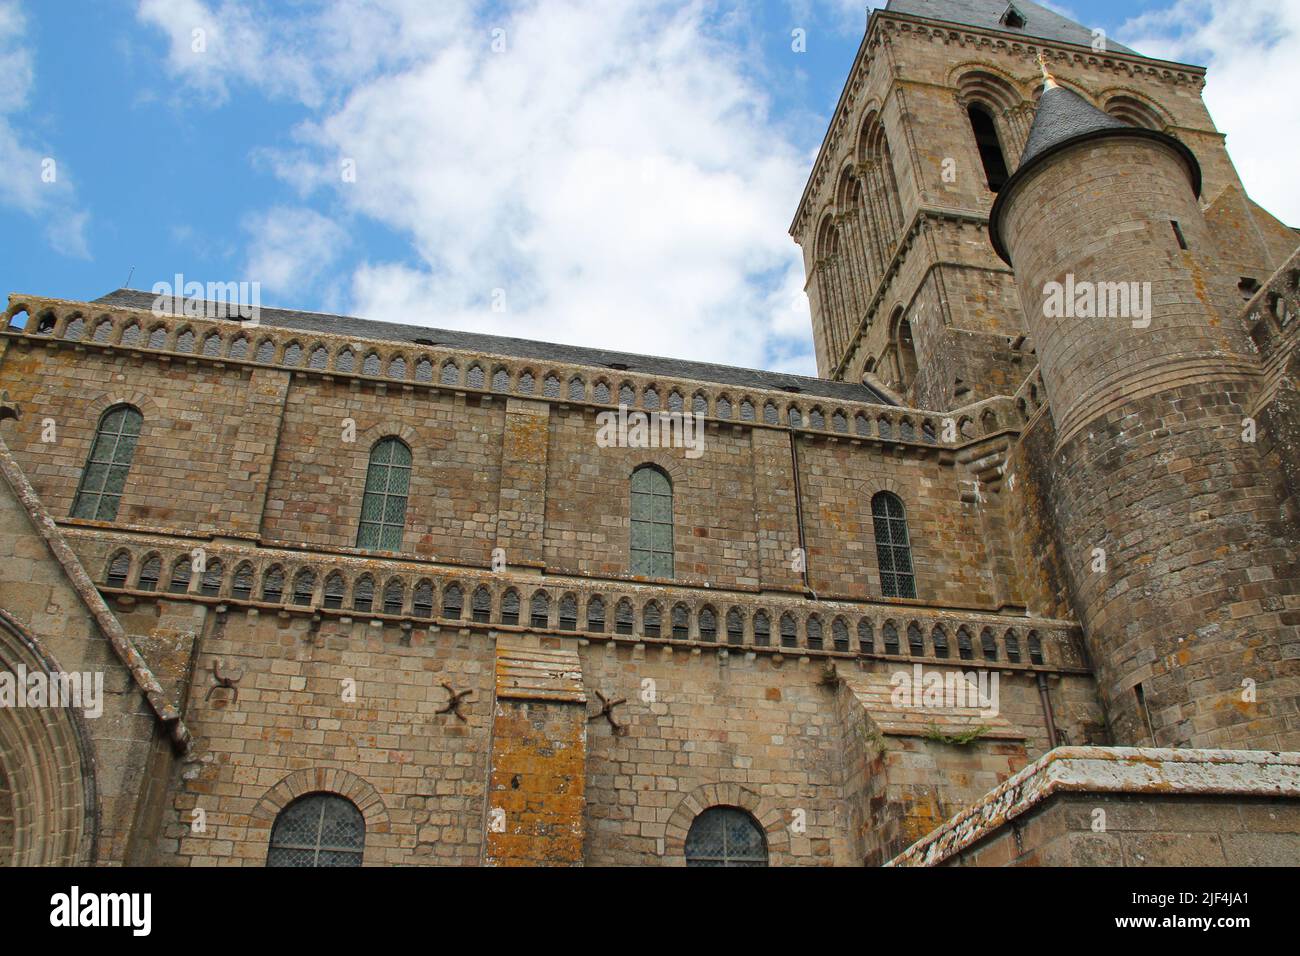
(1178, 234)
(986, 138)
(1013, 18)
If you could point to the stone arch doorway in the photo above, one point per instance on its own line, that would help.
(48, 803)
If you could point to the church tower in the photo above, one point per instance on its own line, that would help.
(905, 290)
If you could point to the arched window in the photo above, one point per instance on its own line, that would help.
(210, 582)
(893, 549)
(334, 590)
(596, 615)
(104, 478)
(510, 607)
(383, 509)
(725, 836)
(320, 829)
(304, 587)
(453, 602)
(569, 612)
(150, 572)
(652, 523)
(422, 599)
(481, 605)
(986, 139)
(118, 569)
(394, 596)
(539, 609)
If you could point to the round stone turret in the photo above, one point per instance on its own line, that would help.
(1181, 569)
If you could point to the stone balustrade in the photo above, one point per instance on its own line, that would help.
(411, 595)
(389, 364)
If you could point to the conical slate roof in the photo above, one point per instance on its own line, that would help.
(1064, 114)
(1065, 118)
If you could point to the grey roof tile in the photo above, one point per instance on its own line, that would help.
(1063, 114)
(1040, 22)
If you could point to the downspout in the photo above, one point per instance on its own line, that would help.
(798, 512)
(1048, 717)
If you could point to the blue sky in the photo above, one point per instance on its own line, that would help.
(615, 173)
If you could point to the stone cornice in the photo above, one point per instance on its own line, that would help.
(1109, 770)
(884, 25)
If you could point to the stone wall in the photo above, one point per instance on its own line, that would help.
(1129, 807)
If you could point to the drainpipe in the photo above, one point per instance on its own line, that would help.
(798, 511)
(1047, 711)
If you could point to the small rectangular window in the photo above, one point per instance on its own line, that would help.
(1178, 234)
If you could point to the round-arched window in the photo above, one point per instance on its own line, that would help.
(320, 829)
(725, 836)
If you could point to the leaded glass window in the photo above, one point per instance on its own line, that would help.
(725, 836)
(652, 523)
(893, 548)
(383, 509)
(320, 829)
(104, 478)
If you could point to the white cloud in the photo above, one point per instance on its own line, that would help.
(1250, 49)
(32, 180)
(290, 247)
(613, 171)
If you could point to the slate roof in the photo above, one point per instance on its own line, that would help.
(1064, 117)
(540, 351)
(1040, 22)
(1063, 114)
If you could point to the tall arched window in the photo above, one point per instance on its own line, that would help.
(986, 138)
(893, 549)
(320, 829)
(725, 836)
(652, 523)
(104, 477)
(383, 510)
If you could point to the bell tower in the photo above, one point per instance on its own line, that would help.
(905, 290)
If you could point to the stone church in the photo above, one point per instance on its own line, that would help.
(1013, 580)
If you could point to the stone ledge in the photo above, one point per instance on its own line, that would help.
(1114, 770)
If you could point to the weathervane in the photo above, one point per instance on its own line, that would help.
(1049, 81)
